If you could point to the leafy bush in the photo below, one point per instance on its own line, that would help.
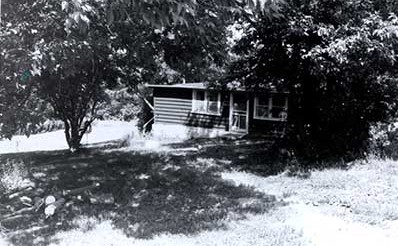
(384, 140)
(337, 61)
(123, 104)
(49, 125)
(120, 104)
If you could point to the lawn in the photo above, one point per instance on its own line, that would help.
(141, 193)
(199, 192)
(357, 205)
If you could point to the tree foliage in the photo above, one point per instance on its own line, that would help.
(338, 61)
(18, 97)
(65, 67)
(69, 51)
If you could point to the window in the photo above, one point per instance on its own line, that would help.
(206, 102)
(271, 107)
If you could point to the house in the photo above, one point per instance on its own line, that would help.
(192, 109)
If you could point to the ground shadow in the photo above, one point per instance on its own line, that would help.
(144, 194)
(250, 153)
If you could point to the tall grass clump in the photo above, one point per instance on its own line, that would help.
(13, 176)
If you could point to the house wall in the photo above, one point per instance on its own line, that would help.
(266, 127)
(180, 132)
(174, 106)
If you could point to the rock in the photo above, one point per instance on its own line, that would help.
(50, 200)
(50, 210)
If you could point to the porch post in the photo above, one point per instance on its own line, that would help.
(231, 108)
(247, 114)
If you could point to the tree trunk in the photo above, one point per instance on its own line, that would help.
(73, 135)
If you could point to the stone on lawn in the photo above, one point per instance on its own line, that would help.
(50, 199)
(50, 210)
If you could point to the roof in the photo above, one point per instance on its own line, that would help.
(199, 86)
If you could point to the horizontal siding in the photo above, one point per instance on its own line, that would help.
(171, 113)
(206, 117)
(174, 101)
(208, 121)
(178, 111)
(177, 119)
(172, 107)
(172, 110)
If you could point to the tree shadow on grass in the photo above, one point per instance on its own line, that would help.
(256, 155)
(144, 194)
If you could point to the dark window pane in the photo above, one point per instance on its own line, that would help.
(212, 97)
(263, 100)
(278, 113)
(262, 111)
(200, 95)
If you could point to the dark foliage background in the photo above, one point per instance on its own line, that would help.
(337, 59)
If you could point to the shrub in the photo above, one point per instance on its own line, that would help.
(49, 125)
(384, 140)
(341, 74)
(120, 104)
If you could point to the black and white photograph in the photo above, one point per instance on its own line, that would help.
(198, 122)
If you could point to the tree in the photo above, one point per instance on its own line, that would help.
(74, 49)
(65, 66)
(20, 108)
(337, 59)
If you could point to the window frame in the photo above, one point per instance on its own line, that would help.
(206, 102)
(270, 106)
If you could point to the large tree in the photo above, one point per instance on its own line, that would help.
(74, 49)
(65, 66)
(337, 59)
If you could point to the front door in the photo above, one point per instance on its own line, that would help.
(239, 115)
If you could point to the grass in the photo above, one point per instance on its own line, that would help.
(149, 193)
(359, 199)
(243, 155)
(206, 194)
